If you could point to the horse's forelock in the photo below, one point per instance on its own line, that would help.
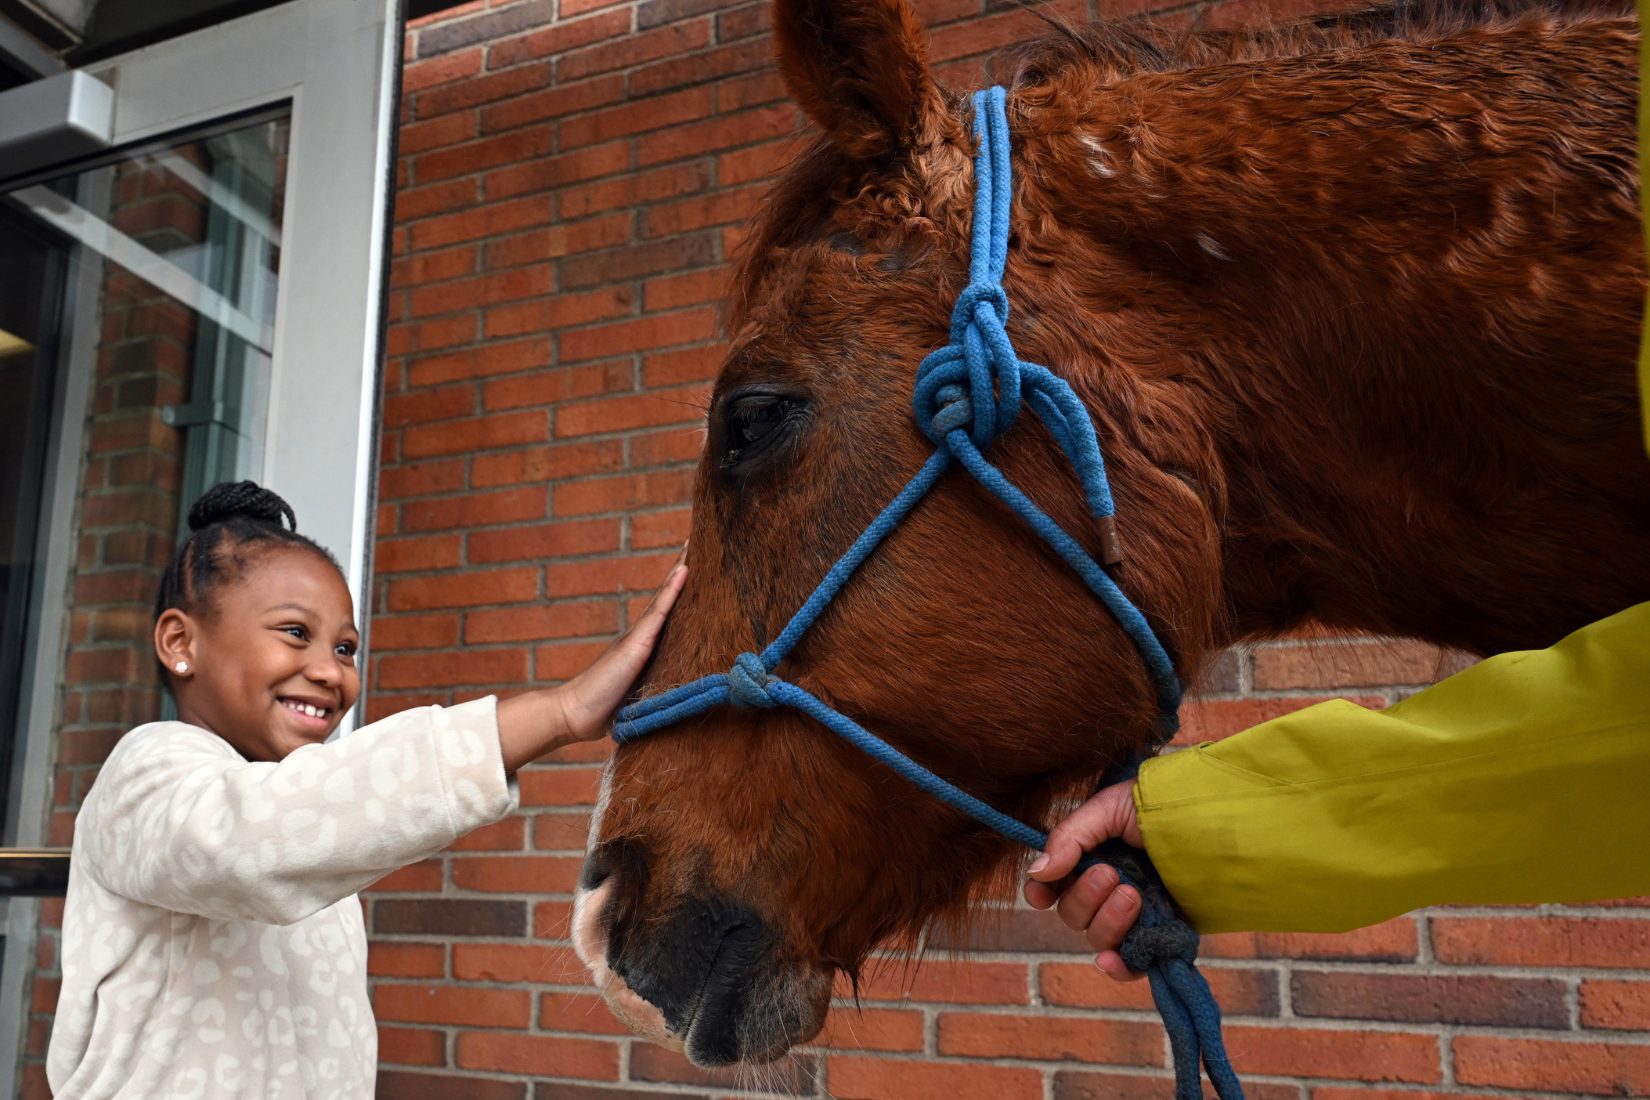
(829, 199)
(797, 210)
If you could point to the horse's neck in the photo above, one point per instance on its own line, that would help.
(1417, 274)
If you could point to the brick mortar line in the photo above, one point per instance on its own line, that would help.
(1341, 966)
(650, 510)
(1304, 1081)
(1400, 1087)
(1467, 970)
(689, 345)
(565, 440)
(384, 651)
(697, 269)
(931, 1011)
(1303, 1023)
(673, 1088)
(1250, 694)
(476, 569)
(1330, 638)
(465, 493)
(1425, 953)
(412, 359)
(1542, 911)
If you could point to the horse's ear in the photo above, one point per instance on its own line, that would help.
(859, 68)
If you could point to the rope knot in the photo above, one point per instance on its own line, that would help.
(978, 368)
(967, 310)
(749, 681)
(955, 410)
(1144, 946)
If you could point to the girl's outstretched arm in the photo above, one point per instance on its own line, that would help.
(179, 820)
(539, 722)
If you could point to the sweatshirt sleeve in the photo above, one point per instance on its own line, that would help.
(1519, 780)
(179, 820)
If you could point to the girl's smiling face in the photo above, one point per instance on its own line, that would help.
(271, 664)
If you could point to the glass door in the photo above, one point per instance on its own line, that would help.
(31, 282)
(175, 247)
(202, 303)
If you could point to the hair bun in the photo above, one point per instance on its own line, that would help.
(241, 500)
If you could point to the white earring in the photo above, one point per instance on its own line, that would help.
(181, 667)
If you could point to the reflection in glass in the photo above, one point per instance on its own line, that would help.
(172, 252)
(31, 276)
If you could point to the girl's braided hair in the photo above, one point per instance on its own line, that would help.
(231, 523)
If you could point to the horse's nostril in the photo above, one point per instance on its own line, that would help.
(614, 857)
(595, 873)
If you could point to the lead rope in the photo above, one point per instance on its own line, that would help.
(967, 394)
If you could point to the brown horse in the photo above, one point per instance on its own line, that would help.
(1354, 305)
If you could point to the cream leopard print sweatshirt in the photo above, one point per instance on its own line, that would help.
(213, 946)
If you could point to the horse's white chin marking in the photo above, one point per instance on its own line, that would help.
(590, 944)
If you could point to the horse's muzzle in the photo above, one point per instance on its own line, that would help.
(703, 976)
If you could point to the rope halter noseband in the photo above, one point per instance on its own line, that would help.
(967, 394)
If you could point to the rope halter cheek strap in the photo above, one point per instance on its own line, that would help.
(967, 394)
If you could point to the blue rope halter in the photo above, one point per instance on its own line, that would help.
(967, 394)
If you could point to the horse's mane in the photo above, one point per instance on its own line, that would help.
(1120, 48)
(804, 195)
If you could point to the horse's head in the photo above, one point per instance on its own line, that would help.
(743, 858)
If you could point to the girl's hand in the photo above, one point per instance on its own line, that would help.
(538, 722)
(590, 698)
(1094, 904)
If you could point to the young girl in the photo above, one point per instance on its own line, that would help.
(212, 943)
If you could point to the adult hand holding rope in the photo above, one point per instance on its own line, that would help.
(1096, 902)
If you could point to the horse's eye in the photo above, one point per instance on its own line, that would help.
(751, 420)
(752, 423)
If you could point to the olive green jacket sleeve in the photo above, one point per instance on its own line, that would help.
(1525, 778)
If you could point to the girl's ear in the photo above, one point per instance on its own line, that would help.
(175, 642)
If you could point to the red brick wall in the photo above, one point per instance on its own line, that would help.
(574, 180)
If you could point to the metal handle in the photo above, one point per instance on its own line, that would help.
(34, 872)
